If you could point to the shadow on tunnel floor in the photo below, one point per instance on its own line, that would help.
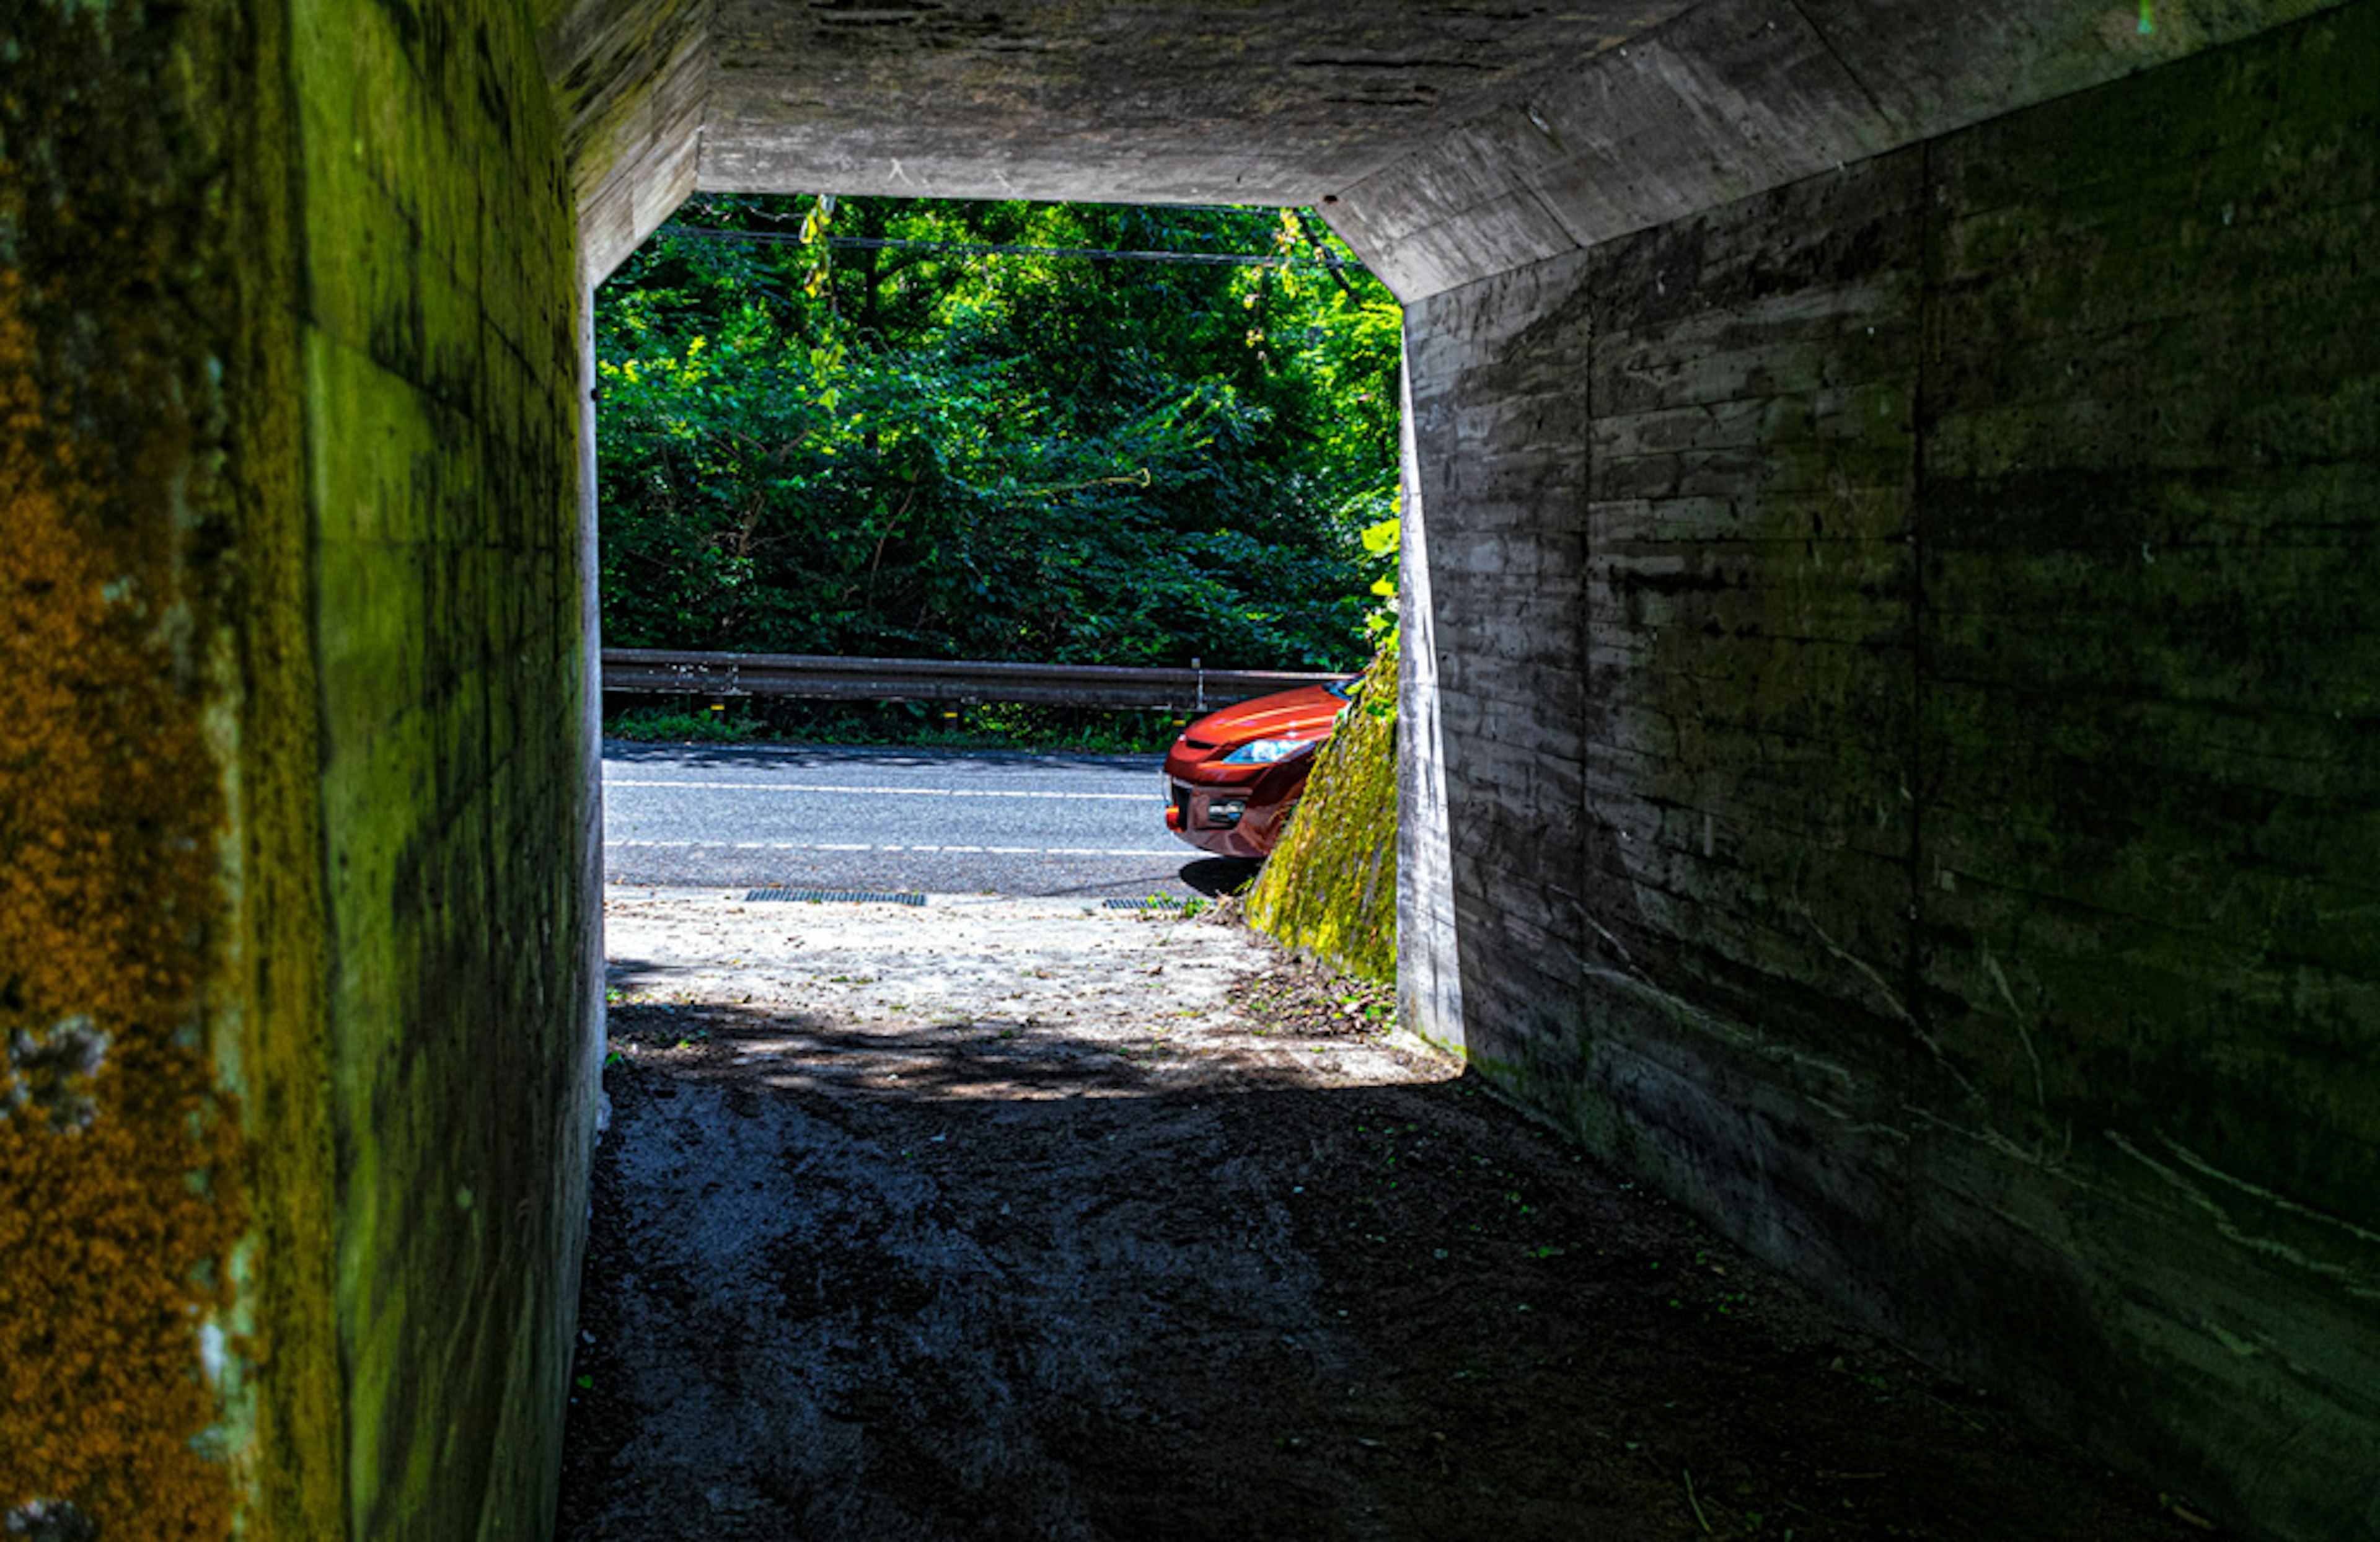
(976, 1277)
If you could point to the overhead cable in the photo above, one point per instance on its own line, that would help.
(993, 248)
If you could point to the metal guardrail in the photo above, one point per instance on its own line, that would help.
(659, 671)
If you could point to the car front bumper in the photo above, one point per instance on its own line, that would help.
(1240, 821)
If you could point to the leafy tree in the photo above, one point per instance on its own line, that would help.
(905, 449)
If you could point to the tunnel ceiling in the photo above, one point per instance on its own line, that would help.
(1446, 141)
(1279, 103)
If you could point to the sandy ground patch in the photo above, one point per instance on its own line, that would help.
(1147, 985)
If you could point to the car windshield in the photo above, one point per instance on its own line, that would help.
(1342, 689)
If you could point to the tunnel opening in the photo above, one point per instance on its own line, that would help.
(1133, 438)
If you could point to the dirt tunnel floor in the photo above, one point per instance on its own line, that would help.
(1022, 1220)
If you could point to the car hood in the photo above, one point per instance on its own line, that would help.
(1306, 712)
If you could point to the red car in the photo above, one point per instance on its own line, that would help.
(1233, 776)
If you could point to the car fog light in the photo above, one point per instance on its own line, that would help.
(1226, 811)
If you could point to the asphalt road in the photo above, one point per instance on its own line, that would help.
(981, 822)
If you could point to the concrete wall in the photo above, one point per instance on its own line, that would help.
(125, 1176)
(1906, 647)
(297, 809)
(1669, 114)
(441, 372)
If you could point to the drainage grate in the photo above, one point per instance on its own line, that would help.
(835, 896)
(1154, 902)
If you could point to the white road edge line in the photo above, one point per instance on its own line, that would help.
(832, 845)
(884, 791)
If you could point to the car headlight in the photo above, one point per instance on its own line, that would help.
(1264, 752)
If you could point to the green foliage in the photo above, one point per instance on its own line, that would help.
(1331, 885)
(916, 724)
(667, 725)
(1382, 541)
(915, 453)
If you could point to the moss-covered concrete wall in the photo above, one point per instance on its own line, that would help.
(297, 958)
(146, 493)
(1330, 886)
(1907, 651)
(440, 353)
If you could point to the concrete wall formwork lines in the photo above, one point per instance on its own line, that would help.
(442, 357)
(631, 85)
(1977, 794)
(1429, 964)
(1497, 426)
(297, 814)
(1695, 107)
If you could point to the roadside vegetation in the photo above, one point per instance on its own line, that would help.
(747, 720)
(908, 449)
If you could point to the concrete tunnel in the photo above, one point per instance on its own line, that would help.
(1892, 678)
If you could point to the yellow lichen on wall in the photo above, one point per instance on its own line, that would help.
(1330, 887)
(120, 1196)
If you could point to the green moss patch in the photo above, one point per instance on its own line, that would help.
(1330, 888)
